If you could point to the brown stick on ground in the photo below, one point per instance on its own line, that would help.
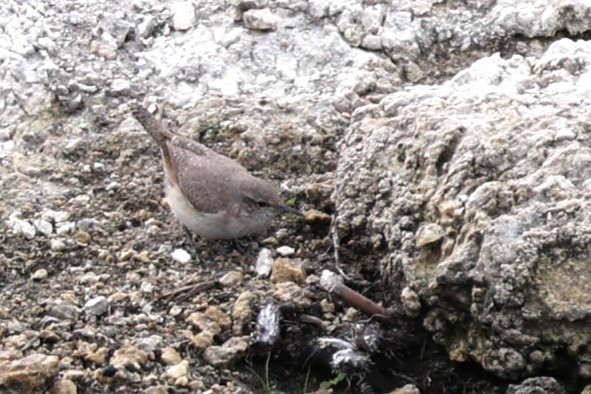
(333, 283)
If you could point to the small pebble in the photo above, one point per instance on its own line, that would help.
(146, 287)
(232, 278)
(179, 370)
(261, 20)
(565, 135)
(57, 245)
(183, 15)
(285, 251)
(327, 306)
(120, 86)
(54, 216)
(39, 274)
(288, 270)
(82, 237)
(88, 224)
(170, 356)
(65, 386)
(312, 279)
(88, 279)
(151, 343)
(97, 306)
(69, 298)
(147, 26)
(315, 216)
(181, 256)
(43, 226)
(264, 262)
(113, 186)
(6, 148)
(63, 310)
(175, 310)
(82, 199)
(23, 227)
(156, 390)
(126, 254)
(65, 228)
(117, 297)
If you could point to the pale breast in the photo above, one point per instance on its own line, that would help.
(212, 226)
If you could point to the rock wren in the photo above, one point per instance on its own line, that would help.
(211, 194)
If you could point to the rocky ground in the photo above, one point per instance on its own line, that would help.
(98, 296)
(357, 111)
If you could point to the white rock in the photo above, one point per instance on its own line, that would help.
(146, 28)
(565, 135)
(150, 343)
(285, 251)
(43, 226)
(46, 42)
(113, 186)
(146, 287)
(120, 86)
(97, 306)
(55, 216)
(262, 20)
(39, 274)
(57, 245)
(183, 15)
(178, 370)
(82, 198)
(88, 279)
(318, 8)
(264, 262)
(181, 256)
(20, 226)
(65, 228)
(164, 249)
(6, 148)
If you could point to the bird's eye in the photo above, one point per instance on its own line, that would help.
(262, 204)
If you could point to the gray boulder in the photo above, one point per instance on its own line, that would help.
(478, 189)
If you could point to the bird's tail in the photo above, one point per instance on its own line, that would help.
(152, 125)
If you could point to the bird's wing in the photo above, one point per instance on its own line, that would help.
(207, 179)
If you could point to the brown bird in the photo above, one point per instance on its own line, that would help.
(212, 195)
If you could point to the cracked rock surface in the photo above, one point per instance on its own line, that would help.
(477, 191)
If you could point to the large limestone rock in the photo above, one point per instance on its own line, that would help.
(480, 190)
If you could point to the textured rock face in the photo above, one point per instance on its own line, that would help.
(27, 374)
(536, 385)
(479, 187)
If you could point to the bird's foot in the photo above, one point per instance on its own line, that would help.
(240, 245)
(191, 246)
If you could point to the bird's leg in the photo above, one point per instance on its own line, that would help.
(189, 238)
(240, 245)
(190, 243)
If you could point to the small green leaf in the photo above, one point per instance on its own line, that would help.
(327, 384)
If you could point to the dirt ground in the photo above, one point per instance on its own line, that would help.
(108, 181)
